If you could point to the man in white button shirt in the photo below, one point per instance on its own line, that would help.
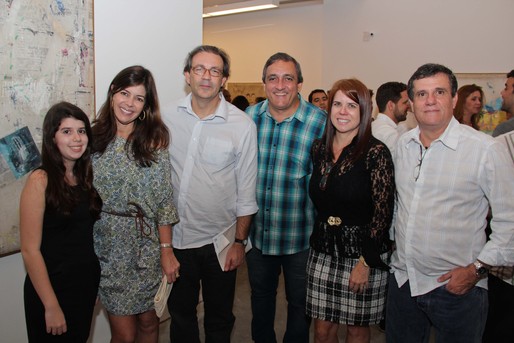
(447, 176)
(214, 167)
(499, 328)
(393, 105)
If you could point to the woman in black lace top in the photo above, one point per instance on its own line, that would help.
(352, 187)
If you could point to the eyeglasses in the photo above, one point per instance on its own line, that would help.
(417, 169)
(200, 71)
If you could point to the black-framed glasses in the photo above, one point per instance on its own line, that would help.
(417, 169)
(200, 71)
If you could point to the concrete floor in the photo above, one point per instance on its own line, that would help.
(243, 313)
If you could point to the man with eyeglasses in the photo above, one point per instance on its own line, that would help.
(447, 176)
(214, 165)
(286, 127)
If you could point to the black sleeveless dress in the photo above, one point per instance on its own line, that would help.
(74, 271)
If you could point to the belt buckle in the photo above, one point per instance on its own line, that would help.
(334, 221)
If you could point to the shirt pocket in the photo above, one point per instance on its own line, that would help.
(218, 153)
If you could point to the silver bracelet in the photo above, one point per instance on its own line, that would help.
(166, 245)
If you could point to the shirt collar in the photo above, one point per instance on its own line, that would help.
(385, 117)
(449, 138)
(221, 111)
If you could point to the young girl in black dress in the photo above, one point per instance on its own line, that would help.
(58, 208)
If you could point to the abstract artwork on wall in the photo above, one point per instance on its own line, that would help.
(46, 54)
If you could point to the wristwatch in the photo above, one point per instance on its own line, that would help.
(480, 269)
(244, 242)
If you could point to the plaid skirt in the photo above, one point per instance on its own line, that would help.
(329, 297)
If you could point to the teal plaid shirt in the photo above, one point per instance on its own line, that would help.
(285, 219)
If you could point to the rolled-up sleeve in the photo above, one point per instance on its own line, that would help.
(246, 173)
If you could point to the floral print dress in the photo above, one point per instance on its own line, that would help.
(136, 200)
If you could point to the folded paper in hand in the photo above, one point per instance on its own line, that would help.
(223, 241)
(161, 298)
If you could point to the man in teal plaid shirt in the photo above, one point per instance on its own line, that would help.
(286, 127)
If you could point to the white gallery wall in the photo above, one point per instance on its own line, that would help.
(157, 34)
(472, 36)
(250, 38)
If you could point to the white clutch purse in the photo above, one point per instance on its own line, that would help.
(161, 298)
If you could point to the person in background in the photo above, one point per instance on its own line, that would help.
(500, 287)
(319, 98)
(226, 94)
(259, 99)
(214, 168)
(241, 102)
(469, 105)
(286, 127)
(507, 105)
(352, 188)
(132, 174)
(500, 282)
(58, 208)
(393, 106)
(447, 177)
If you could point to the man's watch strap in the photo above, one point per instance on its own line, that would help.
(480, 269)
(244, 242)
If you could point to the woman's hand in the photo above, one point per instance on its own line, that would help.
(359, 278)
(170, 265)
(55, 321)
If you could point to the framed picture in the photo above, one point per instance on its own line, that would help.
(492, 84)
(48, 57)
(251, 90)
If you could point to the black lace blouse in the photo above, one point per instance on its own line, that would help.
(354, 202)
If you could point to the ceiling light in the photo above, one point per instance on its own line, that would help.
(238, 7)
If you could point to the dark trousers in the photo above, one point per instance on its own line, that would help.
(218, 287)
(455, 318)
(264, 272)
(499, 327)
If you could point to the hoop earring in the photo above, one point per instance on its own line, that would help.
(144, 116)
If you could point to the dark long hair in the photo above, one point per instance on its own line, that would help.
(149, 135)
(59, 193)
(358, 92)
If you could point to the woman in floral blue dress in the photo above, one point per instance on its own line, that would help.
(132, 173)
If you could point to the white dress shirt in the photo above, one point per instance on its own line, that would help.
(442, 216)
(386, 130)
(214, 169)
(507, 139)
